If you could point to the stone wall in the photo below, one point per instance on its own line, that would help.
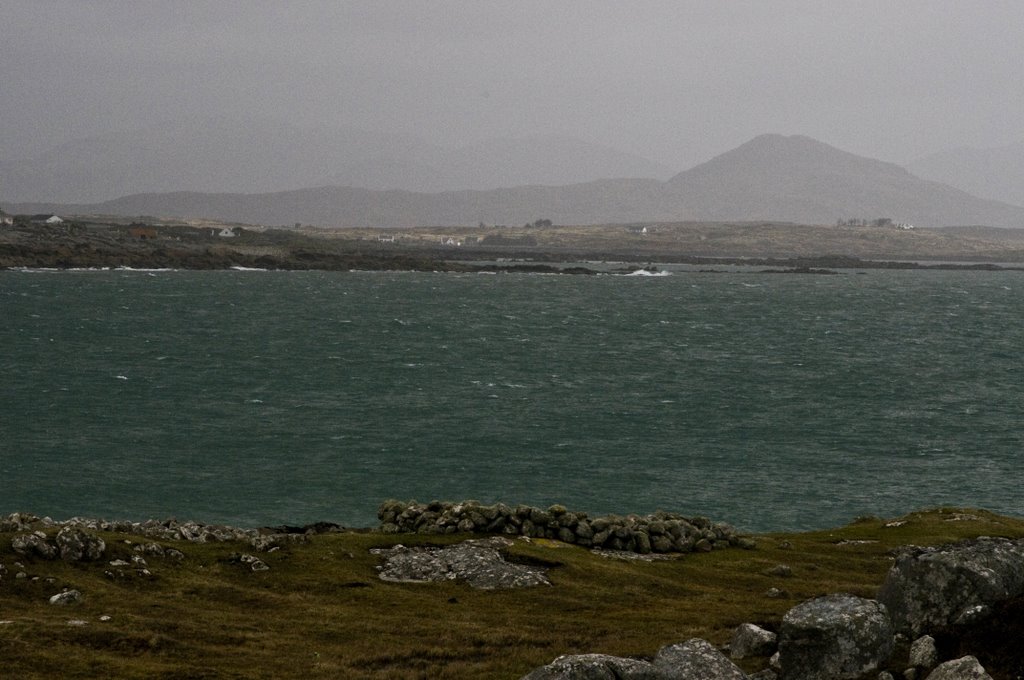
(661, 532)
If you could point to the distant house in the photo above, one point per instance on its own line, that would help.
(638, 230)
(450, 241)
(5, 219)
(384, 238)
(46, 219)
(904, 226)
(225, 232)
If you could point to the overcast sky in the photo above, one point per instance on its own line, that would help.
(677, 82)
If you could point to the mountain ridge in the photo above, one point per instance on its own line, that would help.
(770, 177)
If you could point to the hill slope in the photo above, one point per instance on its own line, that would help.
(225, 155)
(996, 173)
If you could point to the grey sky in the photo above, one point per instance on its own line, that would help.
(675, 81)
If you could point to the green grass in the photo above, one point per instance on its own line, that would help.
(320, 611)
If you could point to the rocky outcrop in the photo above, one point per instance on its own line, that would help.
(695, 659)
(75, 529)
(834, 637)
(593, 667)
(932, 588)
(477, 562)
(76, 545)
(964, 668)
(661, 532)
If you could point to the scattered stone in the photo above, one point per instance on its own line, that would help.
(76, 622)
(781, 570)
(749, 640)
(885, 675)
(964, 668)
(254, 563)
(834, 637)
(118, 563)
(933, 588)
(477, 562)
(105, 618)
(923, 653)
(895, 523)
(593, 667)
(67, 597)
(776, 593)
(695, 659)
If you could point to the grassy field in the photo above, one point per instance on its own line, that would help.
(320, 610)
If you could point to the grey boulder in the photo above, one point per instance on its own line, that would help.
(835, 637)
(932, 588)
(749, 640)
(964, 668)
(593, 667)
(695, 659)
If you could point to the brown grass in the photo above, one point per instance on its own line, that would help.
(320, 610)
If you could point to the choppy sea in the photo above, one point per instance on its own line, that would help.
(773, 402)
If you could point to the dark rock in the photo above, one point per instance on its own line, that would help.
(835, 637)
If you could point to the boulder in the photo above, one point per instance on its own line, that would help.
(695, 659)
(76, 545)
(749, 640)
(834, 637)
(67, 597)
(933, 588)
(477, 562)
(964, 668)
(923, 653)
(34, 544)
(593, 667)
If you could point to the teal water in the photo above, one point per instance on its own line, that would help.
(771, 402)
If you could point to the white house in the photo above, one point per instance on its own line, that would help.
(46, 219)
(6, 219)
(224, 232)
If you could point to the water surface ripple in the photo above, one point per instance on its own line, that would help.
(772, 402)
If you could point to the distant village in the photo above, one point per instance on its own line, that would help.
(882, 222)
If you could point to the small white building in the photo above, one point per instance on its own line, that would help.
(5, 219)
(46, 219)
(224, 232)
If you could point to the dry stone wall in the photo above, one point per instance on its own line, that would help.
(661, 532)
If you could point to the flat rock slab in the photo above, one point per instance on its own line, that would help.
(477, 562)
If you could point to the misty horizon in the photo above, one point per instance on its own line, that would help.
(676, 83)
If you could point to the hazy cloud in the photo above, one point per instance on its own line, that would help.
(675, 81)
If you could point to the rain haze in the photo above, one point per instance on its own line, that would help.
(673, 83)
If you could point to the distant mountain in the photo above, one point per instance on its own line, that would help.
(995, 173)
(225, 155)
(803, 180)
(771, 177)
